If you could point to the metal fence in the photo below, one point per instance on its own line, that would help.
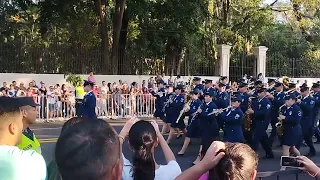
(112, 106)
(292, 67)
(241, 64)
(293, 174)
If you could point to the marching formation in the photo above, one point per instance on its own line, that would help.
(242, 112)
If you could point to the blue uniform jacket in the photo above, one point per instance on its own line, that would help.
(175, 107)
(222, 100)
(261, 116)
(278, 101)
(307, 105)
(195, 104)
(88, 108)
(199, 87)
(159, 103)
(245, 100)
(208, 123)
(233, 120)
(316, 98)
(292, 129)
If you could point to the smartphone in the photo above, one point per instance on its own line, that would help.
(289, 161)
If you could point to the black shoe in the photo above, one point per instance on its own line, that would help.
(180, 154)
(268, 156)
(179, 136)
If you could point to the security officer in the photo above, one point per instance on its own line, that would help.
(176, 105)
(222, 101)
(209, 129)
(307, 105)
(160, 99)
(278, 99)
(29, 111)
(316, 115)
(198, 84)
(79, 95)
(291, 117)
(88, 109)
(193, 123)
(233, 120)
(261, 117)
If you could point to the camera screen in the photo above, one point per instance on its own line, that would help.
(290, 161)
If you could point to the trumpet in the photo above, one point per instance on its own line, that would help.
(183, 110)
(217, 110)
(279, 125)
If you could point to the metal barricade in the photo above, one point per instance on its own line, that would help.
(112, 106)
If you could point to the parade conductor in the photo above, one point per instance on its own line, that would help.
(88, 109)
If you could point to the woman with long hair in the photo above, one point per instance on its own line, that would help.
(144, 137)
(232, 161)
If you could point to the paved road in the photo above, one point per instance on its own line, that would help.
(48, 134)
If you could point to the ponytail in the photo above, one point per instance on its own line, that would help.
(143, 163)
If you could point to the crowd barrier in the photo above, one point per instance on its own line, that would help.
(112, 106)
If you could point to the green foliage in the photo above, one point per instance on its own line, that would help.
(74, 80)
(176, 36)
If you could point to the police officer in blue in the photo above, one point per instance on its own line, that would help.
(176, 105)
(167, 110)
(261, 116)
(160, 99)
(198, 84)
(278, 99)
(89, 102)
(193, 123)
(233, 120)
(307, 105)
(316, 115)
(290, 117)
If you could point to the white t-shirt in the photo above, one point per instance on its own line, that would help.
(16, 164)
(164, 172)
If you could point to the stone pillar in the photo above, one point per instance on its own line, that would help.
(224, 61)
(261, 53)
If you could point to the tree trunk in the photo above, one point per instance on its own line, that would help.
(101, 9)
(119, 9)
(123, 68)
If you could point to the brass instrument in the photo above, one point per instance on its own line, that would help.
(279, 125)
(285, 81)
(248, 118)
(290, 91)
(185, 107)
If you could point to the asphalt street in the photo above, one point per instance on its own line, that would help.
(49, 133)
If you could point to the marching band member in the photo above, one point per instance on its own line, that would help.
(224, 80)
(167, 111)
(316, 115)
(160, 99)
(292, 86)
(233, 120)
(209, 129)
(271, 82)
(261, 117)
(193, 122)
(198, 84)
(278, 99)
(307, 104)
(208, 88)
(222, 100)
(291, 115)
(176, 105)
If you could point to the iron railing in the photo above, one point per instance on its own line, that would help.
(288, 174)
